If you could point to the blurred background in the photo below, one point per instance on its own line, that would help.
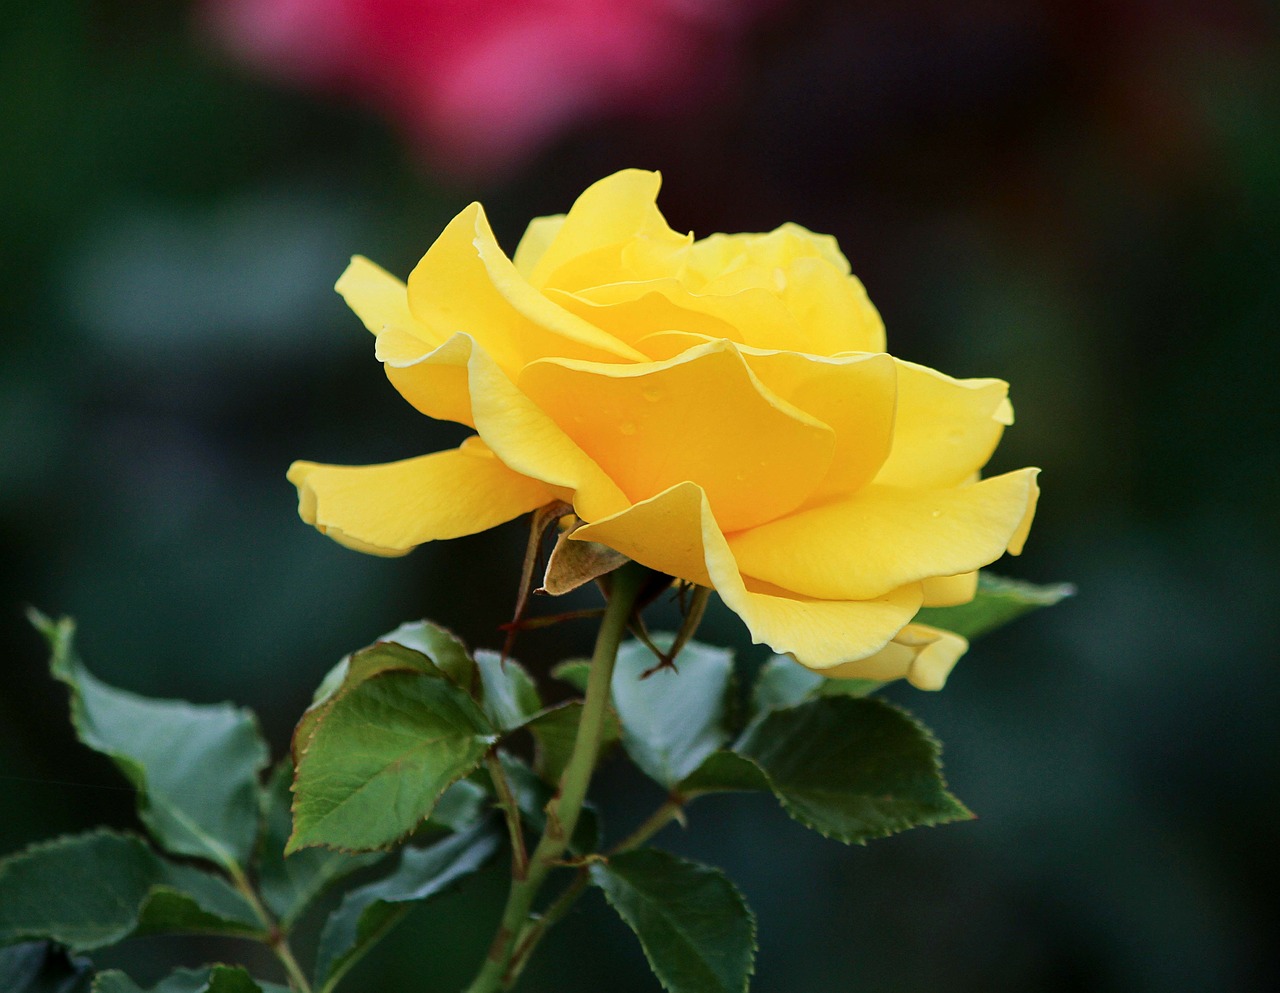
(1080, 197)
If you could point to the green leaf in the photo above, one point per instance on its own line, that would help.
(556, 729)
(41, 967)
(195, 767)
(440, 645)
(696, 930)
(510, 696)
(460, 806)
(288, 884)
(673, 718)
(574, 672)
(95, 889)
(997, 602)
(367, 913)
(353, 670)
(209, 979)
(532, 796)
(381, 754)
(783, 682)
(851, 769)
(726, 772)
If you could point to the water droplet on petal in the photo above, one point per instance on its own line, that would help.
(651, 393)
(627, 427)
(935, 513)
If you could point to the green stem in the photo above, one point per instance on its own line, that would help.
(672, 809)
(511, 811)
(277, 940)
(566, 805)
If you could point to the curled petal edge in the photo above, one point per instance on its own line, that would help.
(675, 532)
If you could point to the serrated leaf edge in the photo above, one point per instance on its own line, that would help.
(733, 889)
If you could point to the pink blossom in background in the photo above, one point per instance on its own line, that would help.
(486, 83)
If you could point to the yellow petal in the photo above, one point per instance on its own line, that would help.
(701, 416)
(950, 591)
(883, 537)
(924, 656)
(1019, 538)
(466, 284)
(525, 438)
(389, 509)
(537, 237)
(611, 213)
(720, 253)
(946, 429)
(433, 379)
(855, 395)
(633, 311)
(676, 532)
(377, 297)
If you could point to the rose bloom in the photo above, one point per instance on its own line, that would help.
(721, 410)
(485, 83)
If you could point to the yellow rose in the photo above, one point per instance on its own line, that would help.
(721, 410)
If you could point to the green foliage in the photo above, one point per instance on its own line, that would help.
(348, 674)
(368, 912)
(556, 729)
(997, 602)
(41, 967)
(852, 769)
(381, 753)
(195, 767)
(211, 979)
(438, 644)
(672, 718)
(391, 748)
(288, 883)
(532, 796)
(696, 930)
(93, 890)
(509, 695)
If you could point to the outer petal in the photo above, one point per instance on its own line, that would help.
(946, 429)
(855, 395)
(701, 416)
(950, 591)
(676, 533)
(883, 537)
(378, 298)
(389, 509)
(923, 655)
(520, 434)
(465, 283)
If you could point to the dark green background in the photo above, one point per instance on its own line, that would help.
(1082, 198)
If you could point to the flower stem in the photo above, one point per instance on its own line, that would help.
(276, 938)
(672, 809)
(566, 805)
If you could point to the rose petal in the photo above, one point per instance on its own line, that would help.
(675, 532)
(390, 509)
(946, 429)
(883, 537)
(537, 238)
(701, 416)
(923, 655)
(465, 283)
(615, 212)
(521, 435)
(950, 591)
(854, 395)
(379, 299)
